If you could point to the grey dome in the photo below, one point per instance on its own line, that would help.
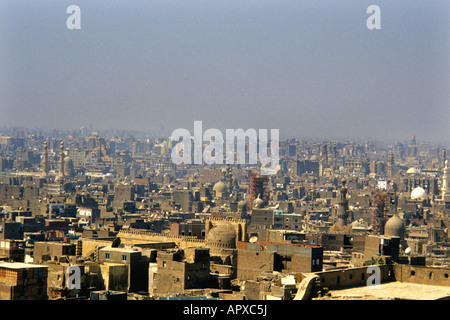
(220, 188)
(394, 227)
(222, 235)
(242, 206)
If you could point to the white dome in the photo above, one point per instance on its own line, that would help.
(413, 171)
(418, 194)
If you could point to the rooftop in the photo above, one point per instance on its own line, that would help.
(391, 291)
(20, 265)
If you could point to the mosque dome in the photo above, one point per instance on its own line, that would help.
(220, 188)
(68, 166)
(394, 227)
(418, 194)
(68, 160)
(412, 171)
(222, 235)
(258, 203)
(242, 206)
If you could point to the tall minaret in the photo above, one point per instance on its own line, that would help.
(60, 175)
(342, 211)
(445, 189)
(45, 161)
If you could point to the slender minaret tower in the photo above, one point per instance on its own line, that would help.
(60, 175)
(45, 161)
(342, 211)
(445, 189)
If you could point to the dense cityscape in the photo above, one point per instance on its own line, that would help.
(90, 216)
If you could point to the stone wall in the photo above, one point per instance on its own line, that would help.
(422, 275)
(138, 237)
(353, 277)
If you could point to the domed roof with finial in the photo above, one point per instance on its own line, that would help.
(394, 227)
(258, 202)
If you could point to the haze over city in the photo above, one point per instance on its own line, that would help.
(227, 152)
(309, 69)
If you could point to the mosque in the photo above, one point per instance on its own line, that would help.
(66, 167)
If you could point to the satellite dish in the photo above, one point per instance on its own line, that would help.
(253, 239)
(408, 250)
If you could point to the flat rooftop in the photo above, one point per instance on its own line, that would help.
(20, 265)
(392, 291)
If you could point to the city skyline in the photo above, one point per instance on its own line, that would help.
(309, 70)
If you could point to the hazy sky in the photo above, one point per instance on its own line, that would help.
(307, 68)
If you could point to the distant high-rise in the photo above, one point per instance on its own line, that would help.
(390, 163)
(412, 147)
(443, 155)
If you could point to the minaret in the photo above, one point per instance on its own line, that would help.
(229, 179)
(445, 189)
(342, 211)
(60, 175)
(45, 161)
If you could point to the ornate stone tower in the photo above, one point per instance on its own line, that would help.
(45, 161)
(342, 211)
(60, 175)
(445, 189)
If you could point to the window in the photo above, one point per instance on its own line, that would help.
(106, 255)
(446, 275)
(124, 257)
